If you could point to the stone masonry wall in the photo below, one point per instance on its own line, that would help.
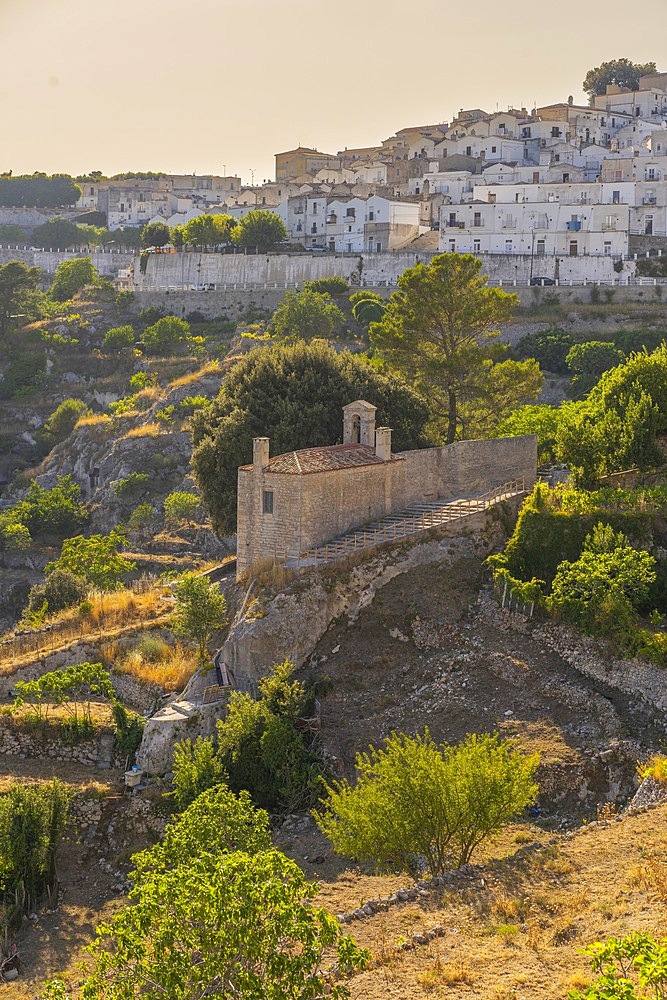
(296, 619)
(311, 509)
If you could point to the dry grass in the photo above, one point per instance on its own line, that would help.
(92, 420)
(116, 611)
(208, 369)
(154, 661)
(146, 397)
(655, 767)
(144, 430)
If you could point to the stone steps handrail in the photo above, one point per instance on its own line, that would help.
(417, 518)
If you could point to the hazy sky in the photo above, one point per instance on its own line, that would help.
(215, 86)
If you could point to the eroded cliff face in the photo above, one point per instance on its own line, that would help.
(295, 619)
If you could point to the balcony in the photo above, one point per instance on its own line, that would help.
(649, 200)
(574, 226)
(454, 224)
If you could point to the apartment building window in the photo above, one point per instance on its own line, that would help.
(267, 501)
(650, 174)
(556, 157)
(616, 197)
(350, 213)
(476, 246)
(607, 248)
(618, 175)
(509, 246)
(313, 228)
(648, 225)
(468, 150)
(314, 208)
(610, 222)
(540, 248)
(371, 213)
(566, 178)
(452, 246)
(477, 219)
(494, 149)
(536, 177)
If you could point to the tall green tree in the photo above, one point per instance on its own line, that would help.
(155, 234)
(166, 336)
(588, 361)
(57, 234)
(38, 190)
(71, 276)
(621, 71)
(439, 332)
(16, 280)
(200, 610)
(270, 391)
(96, 559)
(305, 315)
(260, 229)
(221, 924)
(413, 797)
(210, 230)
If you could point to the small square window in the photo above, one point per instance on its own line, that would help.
(267, 502)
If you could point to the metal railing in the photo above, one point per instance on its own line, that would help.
(417, 518)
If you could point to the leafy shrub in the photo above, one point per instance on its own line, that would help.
(328, 286)
(129, 730)
(61, 589)
(133, 485)
(196, 768)
(142, 380)
(60, 424)
(588, 361)
(187, 406)
(166, 336)
(141, 517)
(119, 339)
(96, 559)
(71, 276)
(181, 506)
(414, 797)
(51, 513)
(32, 822)
(549, 348)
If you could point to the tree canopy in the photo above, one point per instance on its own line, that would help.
(306, 315)
(210, 230)
(413, 797)
(270, 392)
(155, 234)
(95, 559)
(16, 280)
(260, 229)
(200, 610)
(71, 276)
(628, 968)
(57, 234)
(166, 336)
(439, 333)
(38, 191)
(216, 911)
(621, 71)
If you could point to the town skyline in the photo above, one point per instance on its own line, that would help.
(119, 88)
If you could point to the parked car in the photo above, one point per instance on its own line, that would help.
(542, 281)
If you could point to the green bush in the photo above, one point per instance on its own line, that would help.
(181, 506)
(60, 590)
(196, 768)
(57, 512)
(166, 336)
(32, 822)
(71, 276)
(328, 286)
(549, 348)
(119, 339)
(415, 798)
(133, 485)
(129, 730)
(60, 424)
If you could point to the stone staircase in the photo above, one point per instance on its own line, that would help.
(416, 518)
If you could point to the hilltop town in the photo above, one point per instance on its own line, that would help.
(560, 191)
(261, 517)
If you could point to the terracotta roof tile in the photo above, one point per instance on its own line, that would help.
(325, 459)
